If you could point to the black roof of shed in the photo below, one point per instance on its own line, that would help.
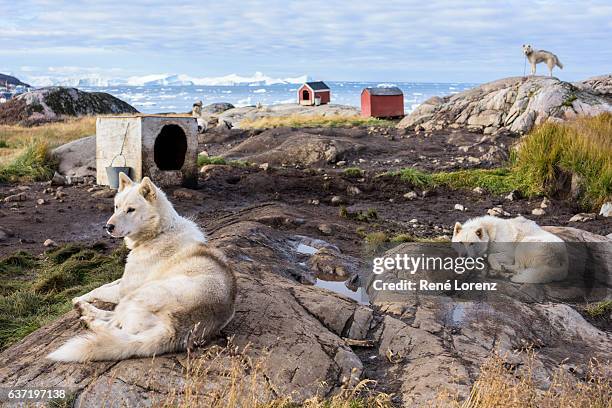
(318, 86)
(384, 91)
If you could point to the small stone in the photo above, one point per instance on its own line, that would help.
(337, 200)
(414, 221)
(538, 211)
(325, 229)
(545, 203)
(497, 211)
(362, 160)
(60, 194)
(16, 197)
(463, 149)
(606, 209)
(473, 160)
(58, 180)
(411, 195)
(49, 243)
(315, 201)
(264, 166)
(203, 153)
(341, 163)
(478, 190)
(106, 193)
(40, 201)
(511, 196)
(353, 190)
(583, 217)
(459, 207)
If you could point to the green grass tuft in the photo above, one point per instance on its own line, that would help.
(33, 164)
(34, 291)
(600, 309)
(204, 160)
(352, 172)
(414, 177)
(495, 181)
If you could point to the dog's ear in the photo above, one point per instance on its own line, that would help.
(457, 229)
(479, 233)
(124, 181)
(147, 189)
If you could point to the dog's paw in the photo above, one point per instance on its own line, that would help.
(87, 321)
(79, 306)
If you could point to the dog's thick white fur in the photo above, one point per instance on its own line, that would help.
(175, 292)
(516, 247)
(536, 56)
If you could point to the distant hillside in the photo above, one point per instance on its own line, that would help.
(55, 103)
(11, 80)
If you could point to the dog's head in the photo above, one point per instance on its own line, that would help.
(527, 49)
(470, 239)
(135, 208)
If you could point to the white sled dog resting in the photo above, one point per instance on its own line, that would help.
(536, 56)
(517, 248)
(175, 292)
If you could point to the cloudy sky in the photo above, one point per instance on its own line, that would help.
(433, 40)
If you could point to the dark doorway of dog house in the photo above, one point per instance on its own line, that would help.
(170, 148)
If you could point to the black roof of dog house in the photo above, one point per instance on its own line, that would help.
(318, 86)
(384, 91)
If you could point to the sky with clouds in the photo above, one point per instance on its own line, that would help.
(391, 40)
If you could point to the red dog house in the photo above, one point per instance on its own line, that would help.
(314, 93)
(382, 102)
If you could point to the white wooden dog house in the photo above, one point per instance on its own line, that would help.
(163, 148)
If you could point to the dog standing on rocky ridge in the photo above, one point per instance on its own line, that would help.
(536, 56)
(176, 291)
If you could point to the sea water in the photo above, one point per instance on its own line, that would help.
(179, 99)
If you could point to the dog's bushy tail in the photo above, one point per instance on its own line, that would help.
(559, 64)
(113, 344)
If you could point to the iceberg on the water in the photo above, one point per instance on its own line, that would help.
(258, 79)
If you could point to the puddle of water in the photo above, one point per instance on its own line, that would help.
(339, 287)
(305, 249)
(458, 314)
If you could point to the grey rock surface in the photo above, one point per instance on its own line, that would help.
(514, 104)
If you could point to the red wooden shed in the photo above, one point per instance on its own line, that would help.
(313, 93)
(382, 102)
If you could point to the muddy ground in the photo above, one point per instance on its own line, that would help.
(76, 213)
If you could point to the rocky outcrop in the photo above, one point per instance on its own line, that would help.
(233, 117)
(273, 146)
(515, 104)
(77, 158)
(599, 85)
(55, 103)
(302, 340)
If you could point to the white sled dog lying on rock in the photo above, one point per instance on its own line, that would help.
(175, 292)
(516, 247)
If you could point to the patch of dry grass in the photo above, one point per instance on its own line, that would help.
(298, 121)
(239, 381)
(15, 139)
(501, 385)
